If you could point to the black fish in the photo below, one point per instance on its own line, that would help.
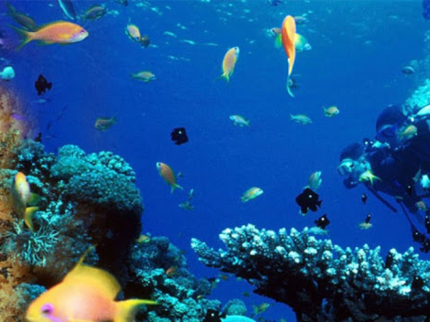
(308, 200)
(38, 138)
(42, 84)
(179, 135)
(213, 316)
(368, 217)
(322, 222)
(409, 189)
(417, 283)
(427, 223)
(363, 198)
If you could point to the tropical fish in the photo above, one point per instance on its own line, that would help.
(229, 62)
(331, 111)
(41, 85)
(364, 198)
(144, 76)
(85, 294)
(168, 175)
(20, 18)
(288, 31)
(366, 224)
(301, 119)
(94, 12)
(104, 123)
(239, 120)
(171, 271)
(22, 198)
(186, 205)
(179, 135)
(322, 222)
(257, 309)
(409, 132)
(421, 205)
(251, 193)
(133, 32)
(308, 199)
(315, 180)
(143, 239)
(368, 176)
(58, 32)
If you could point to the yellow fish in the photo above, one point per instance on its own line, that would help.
(133, 32)
(85, 294)
(168, 175)
(301, 118)
(251, 193)
(144, 76)
(22, 197)
(409, 132)
(143, 239)
(331, 111)
(288, 31)
(58, 32)
(368, 176)
(315, 180)
(229, 62)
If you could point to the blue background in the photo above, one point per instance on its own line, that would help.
(358, 50)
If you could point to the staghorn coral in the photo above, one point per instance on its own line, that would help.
(322, 281)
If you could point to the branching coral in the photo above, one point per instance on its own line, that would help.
(322, 281)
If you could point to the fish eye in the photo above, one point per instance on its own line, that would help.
(47, 309)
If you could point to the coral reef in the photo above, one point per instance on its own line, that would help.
(180, 295)
(322, 281)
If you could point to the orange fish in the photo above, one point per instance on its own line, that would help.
(171, 271)
(168, 175)
(85, 294)
(229, 62)
(58, 32)
(288, 36)
(22, 197)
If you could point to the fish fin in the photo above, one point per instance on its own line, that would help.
(127, 310)
(26, 36)
(34, 199)
(319, 203)
(28, 217)
(278, 41)
(225, 76)
(94, 276)
(175, 186)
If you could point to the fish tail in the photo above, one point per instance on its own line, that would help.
(176, 186)
(28, 217)
(319, 203)
(26, 36)
(127, 309)
(225, 76)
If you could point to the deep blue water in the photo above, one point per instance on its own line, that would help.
(358, 50)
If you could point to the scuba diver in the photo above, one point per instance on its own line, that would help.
(397, 164)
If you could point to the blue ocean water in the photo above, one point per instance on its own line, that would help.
(358, 50)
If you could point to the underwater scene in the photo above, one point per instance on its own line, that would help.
(214, 160)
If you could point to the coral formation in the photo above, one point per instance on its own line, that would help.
(322, 281)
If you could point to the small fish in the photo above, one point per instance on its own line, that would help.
(288, 31)
(168, 175)
(224, 277)
(144, 41)
(425, 181)
(258, 309)
(122, 2)
(368, 176)
(186, 205)
(239, 120)
(364, 198)
(214, 316)
(315, 181)
(144, 76)
(133, 32)
(73, 299)
(408, 70)
(366, 224)
(24, 200)
(20, 18)
(94, 12)
(274, 3)
(169, 33)
(421, 205)
(171, 271)
(409, 132)
(229, 63)
(58, 32)
(143, 239)
(179, 136)
(301, 119)
(104, 123)
(251, 193)
(308, 200)
(68, 8)
(322, 222)
(41, 85)
(331, 111)
(409, 189)
(301, 20)
(187, 41)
